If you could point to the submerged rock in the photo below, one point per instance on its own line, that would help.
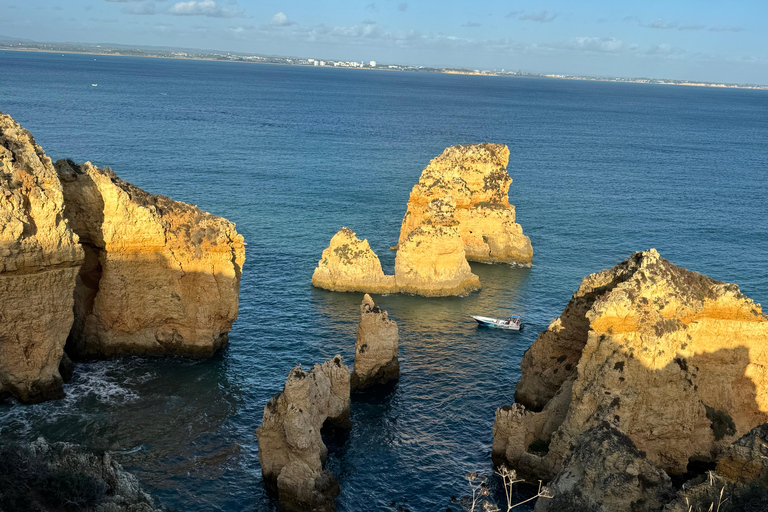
(350, 265)
(671, 357)
(160, 276)
(475, 175)
(291, 449)
(376, 348)
(431, 260)
(39, 261)
(605, 473)
(43, 476)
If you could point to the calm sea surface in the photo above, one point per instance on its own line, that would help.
(291, 155)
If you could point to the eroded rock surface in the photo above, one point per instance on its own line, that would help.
(671, 357)
(376, 349)
(43, 476)
(159, 277)
(606, 473)
(349, 264)
(431, 260)
(291, 449)
(39, 260)
(475, 175)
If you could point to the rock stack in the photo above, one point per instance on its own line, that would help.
(458, 211)
(475, 175)
(291, 449)
(376, 349)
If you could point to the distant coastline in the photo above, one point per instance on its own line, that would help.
(203, 55)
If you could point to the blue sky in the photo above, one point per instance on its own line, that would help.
(696, 40)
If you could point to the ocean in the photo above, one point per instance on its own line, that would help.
(292, 154)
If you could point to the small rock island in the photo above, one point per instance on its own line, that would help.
(458, 212)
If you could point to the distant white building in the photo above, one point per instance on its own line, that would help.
(373, 63)
(322, 63)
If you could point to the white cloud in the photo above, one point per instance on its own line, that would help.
(595, 44)
(664, 50)
(538, 17)
(204, 8)
(471, 24)
(281, 20)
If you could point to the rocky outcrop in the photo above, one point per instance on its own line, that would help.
(376, 348)
(40, 258)
(606, 473)
(475, 175)
(291, 449)
(350, 265)
(160, 276)
(673, 358)
(45, 477)
(431, 260)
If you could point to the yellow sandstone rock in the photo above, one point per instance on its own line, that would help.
(350, 265)
(431, 260)
(160, 276)
(376, 349)
(476, 176)
(674, 359)
(39, 260)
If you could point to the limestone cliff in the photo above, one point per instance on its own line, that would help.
(349, 264)
(40, 258)
(673, 358)
(159, 277)
(475, 175)
(431, 260)
(376, 349)
(291, 449)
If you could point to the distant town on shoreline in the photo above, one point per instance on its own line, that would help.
(11, 44)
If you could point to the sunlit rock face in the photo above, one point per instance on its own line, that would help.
(431, 260)
(39, 261)
(376, 350)
(349, 264)
(475, 175)
(672, 358)
(291, 449)
(159, 277)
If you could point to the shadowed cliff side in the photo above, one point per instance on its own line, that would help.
(159, 277)
(39, 259)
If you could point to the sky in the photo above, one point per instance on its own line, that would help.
(681, 39)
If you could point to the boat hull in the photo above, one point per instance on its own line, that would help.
(496, 323)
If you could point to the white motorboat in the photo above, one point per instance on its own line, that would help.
(512, 322)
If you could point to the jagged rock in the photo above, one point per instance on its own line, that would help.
(159, 277)
(291, 450)
(673, 358)
(39, 260)
(349, 265)
(605, 473)
(45, 476)
(741, 478)
(475, 175)
(376, 348)
(431, 260)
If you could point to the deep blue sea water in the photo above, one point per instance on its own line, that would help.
(291, 155)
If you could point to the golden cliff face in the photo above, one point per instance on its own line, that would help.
(431, 260)
(39, 260)
(475, 176)
(349, 264)
(160, 276)
(673, 359)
